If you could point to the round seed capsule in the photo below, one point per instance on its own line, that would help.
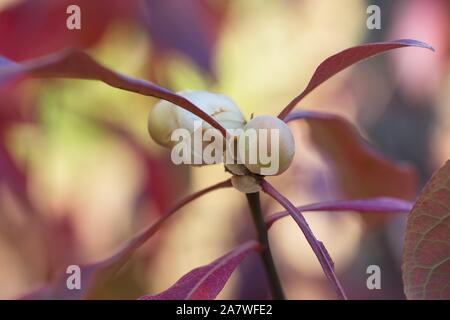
(267, 146)
(165, 116)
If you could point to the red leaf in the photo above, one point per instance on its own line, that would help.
(79, 65)
(31, 28)
(360, 171)
(426, 253)
(319, 249)
(344, 59)
(15, 179)
(12, 109)
(206, 282)
(94, 275)
(157, 186)
(381, 205)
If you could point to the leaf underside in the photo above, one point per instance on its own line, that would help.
(354, 162)
(426, 253)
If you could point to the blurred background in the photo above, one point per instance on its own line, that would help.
(79, 174)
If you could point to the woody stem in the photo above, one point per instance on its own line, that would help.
(266, 255)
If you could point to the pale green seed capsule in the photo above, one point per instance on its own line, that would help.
(165, 116)
(269, 146)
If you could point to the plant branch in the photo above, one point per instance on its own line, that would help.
(266, 255)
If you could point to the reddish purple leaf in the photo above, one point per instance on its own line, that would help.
(426, 252)
(319, 249)
(206, 282)
(354, 162)
(344, 59)
(11, 174)
(415, 73)
(76, 64)
(31, 28)
(381, 205)
(14, 178)
(43, 292)
(95, 274)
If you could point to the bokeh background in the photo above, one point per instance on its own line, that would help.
(79, 174)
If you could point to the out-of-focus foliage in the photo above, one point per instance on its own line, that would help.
(79, 175)
(426, 264)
